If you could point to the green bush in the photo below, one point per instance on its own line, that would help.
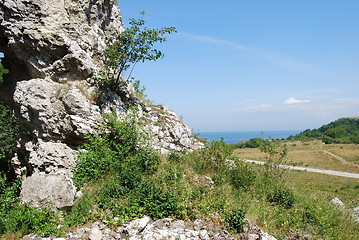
(80, 213)
(9, 131)
(282, 196)
(214, 155)
(114, 151)
(235, 220)
(175, 157)
(242, 176)
(123, 165)
(2, 71)
(156, 201)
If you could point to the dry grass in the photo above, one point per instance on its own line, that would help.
(328, 187)
(349, 152)
(311, 154)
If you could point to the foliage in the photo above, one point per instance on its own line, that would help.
(19, 218)
(242, 176)
(343, 130)
(3, 70)
(8, 133)
(214, 155)
(121, 152)
(282, 196)
(80, 213)
(118, 146)
(140, 90)
(235, 220)
(133, 45)
(275, 155)
(251, 143)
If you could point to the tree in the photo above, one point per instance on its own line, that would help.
(133, 45)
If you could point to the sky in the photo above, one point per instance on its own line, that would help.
(253, 65)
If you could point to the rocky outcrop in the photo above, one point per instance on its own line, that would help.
(169, 132)
(53, 51)
(167, 228)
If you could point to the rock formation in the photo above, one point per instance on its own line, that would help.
(53, 51)
(168, 228)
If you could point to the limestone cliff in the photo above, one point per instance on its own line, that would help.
(53, 51)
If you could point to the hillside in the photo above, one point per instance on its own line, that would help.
(85, 156)
(343, 130)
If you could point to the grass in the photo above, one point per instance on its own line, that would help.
(326, 186)
(349, 152)
(312, 213)
(120, 179)
(311, 154)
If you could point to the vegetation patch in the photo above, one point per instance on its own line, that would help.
(343, 130)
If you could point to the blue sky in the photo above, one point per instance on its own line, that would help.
(256, 65)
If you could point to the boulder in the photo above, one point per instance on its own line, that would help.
(52, 190)
(336, 201)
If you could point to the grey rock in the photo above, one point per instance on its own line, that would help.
(95, 234)
(41, 189)
(203, 235)
(336, 201)
(169, 133)
(356, 214)
(166, 228)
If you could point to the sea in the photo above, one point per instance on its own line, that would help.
(235, 137)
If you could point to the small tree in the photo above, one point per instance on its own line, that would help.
(133, 45)
(275, 155)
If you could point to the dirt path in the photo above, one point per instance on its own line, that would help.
(340, 158)
(328, 172)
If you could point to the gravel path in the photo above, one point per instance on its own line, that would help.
(339, 158)
(328, 172)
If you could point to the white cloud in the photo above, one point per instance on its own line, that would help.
(292, 100)
(256, 108)
(271, 56)
(347, 100)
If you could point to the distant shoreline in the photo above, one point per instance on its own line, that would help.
(239, 136)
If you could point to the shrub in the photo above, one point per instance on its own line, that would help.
(80, 213)
(9, 131)
(235, 220)
(242, 176)
(175, 157)
(281, 196)
(2, 71)
(120, 147)
(158, 202)
(254, 143)
(275, 155)
(121, 152)
(214, 155)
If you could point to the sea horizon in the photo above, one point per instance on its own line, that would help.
(240, 136)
